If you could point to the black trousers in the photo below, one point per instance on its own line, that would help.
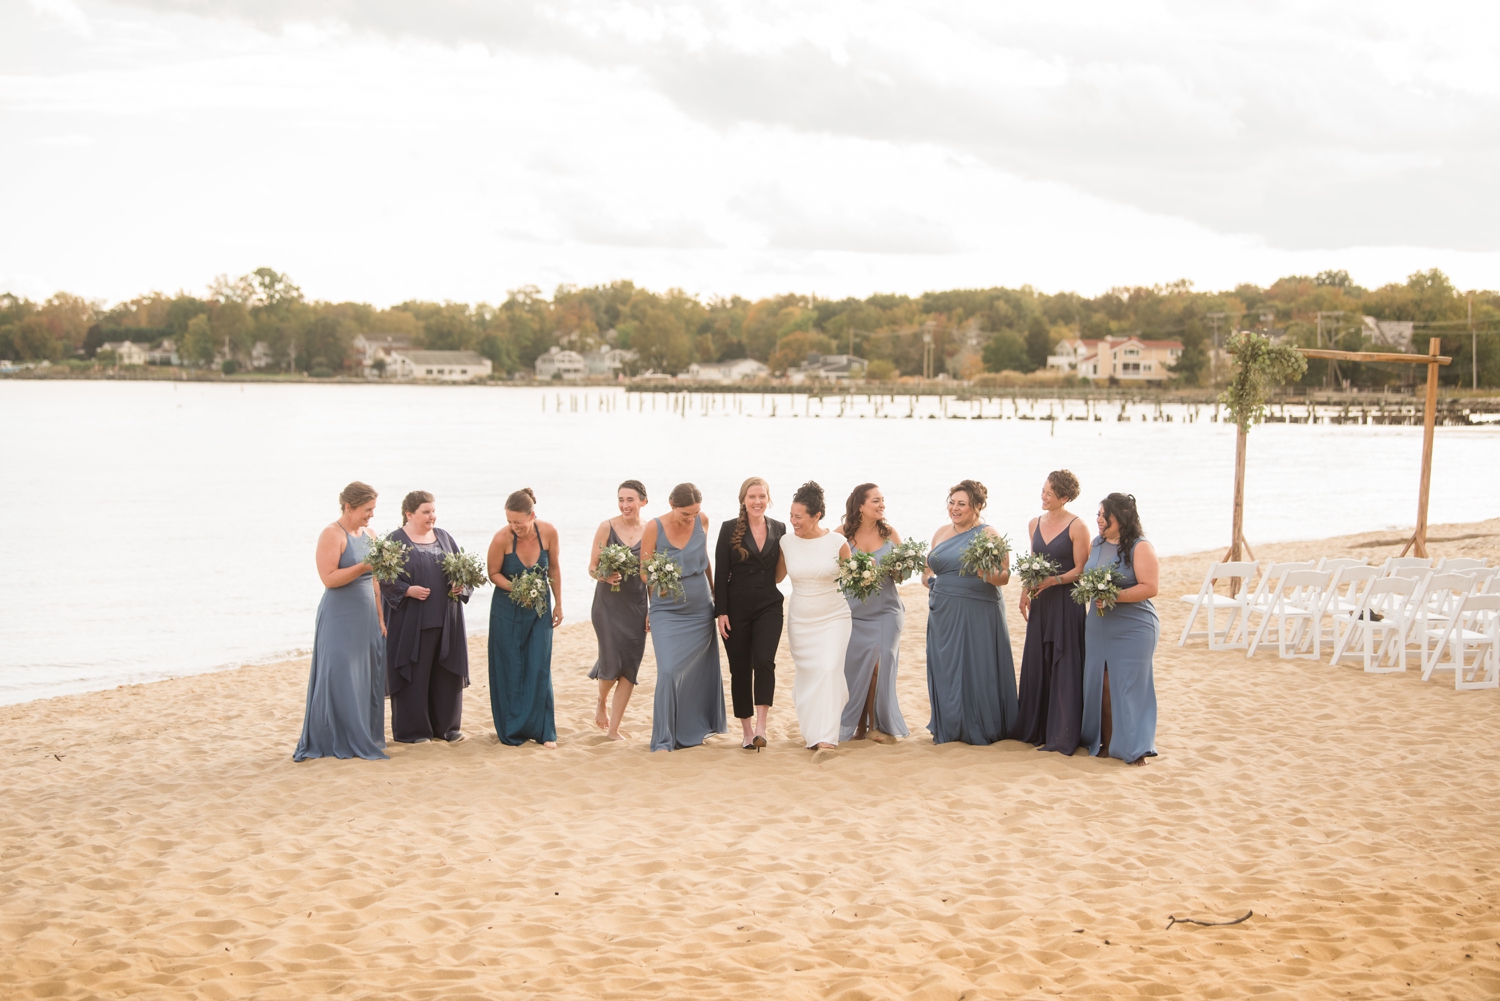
(751, 647)
(432, 703)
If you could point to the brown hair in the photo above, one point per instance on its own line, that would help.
(810, 496)
(978, 495)
(356, 493)
(685, 495)
(521, 501)
(412, 501)
(1121, 508)
(737, 538)
(1064, 484)
(852, 517)
(635, 485)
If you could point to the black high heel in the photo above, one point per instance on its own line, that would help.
(759, 742)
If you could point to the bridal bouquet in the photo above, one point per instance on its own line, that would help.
(904, 560)
(1100, 585)
(387, 558)
(464, 571)
(985, 554)
(664, 576)
(1032, 569)
(858, 576)
(616, 559)
(529, 590)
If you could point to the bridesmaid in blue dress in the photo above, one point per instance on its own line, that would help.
(971, 673)
(520, 639)
(689, 686)
(870, 664)
(1051, 700)
(345, 716)
(1119, 692)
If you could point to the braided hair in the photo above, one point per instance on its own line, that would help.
(852, 517)
(742, 523)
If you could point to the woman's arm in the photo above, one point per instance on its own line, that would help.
(708, 571)
(379, 608)
(331, 543)
(554, 570)
(1079, 534)
(927, 572)
(496, 558)
(648, 547)
(1147, 573)
(721, 587)
(601, 535)
(1002, 577)
(450, 545)
(895, 537)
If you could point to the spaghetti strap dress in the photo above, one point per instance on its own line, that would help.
(971, 673)
(619, 619)
(873, 648)
(689, 705)
(345, 716)
(521, 661)
(1051, 698)
(1123, 641)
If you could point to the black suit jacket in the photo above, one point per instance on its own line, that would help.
(748, 584)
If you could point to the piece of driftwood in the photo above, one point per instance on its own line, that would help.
(1174, 920)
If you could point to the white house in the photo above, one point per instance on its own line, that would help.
(127, 352)
(562, 364)
(260, 355)
(1128, 359)
(375, 347)
(734, 370)
(164, 353)
(832, 368)
(607, 361)
(438, 366)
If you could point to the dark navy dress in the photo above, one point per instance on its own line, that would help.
(1051, 700)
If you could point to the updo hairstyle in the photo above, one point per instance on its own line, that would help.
(810, 496)
(1064, 484)
(685, 495)
(412, 501)
(978, 495)
(521, 501)
(635, 485)
(355, 494)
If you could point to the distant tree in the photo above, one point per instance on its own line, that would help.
(660, 338)
(793, 349)
(1334, 279)
(33, 340)
(1191, 364)
(499, 351)
(881, 370)
(448, 331)
(1006, 352)
(1038, 343)
(198, 344)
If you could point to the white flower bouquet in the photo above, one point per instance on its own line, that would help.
(904, 560)
(859, 576)
(1033, 568)
(387, 558)
(1100, 585)
(529, 590)
(464, 571)
(616, 559)
(664, 576)
(984, 555)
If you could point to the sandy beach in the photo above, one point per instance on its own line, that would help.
(160, 842)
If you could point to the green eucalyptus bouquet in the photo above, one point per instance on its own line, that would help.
(464, 571)
(664, 576)
(1033, 568)
(387, 558)
(904, 560)
(529, 590)
(859, 576)
(984, 555)
(1100, 585)
(616, 558)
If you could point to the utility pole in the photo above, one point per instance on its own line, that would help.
(1473, 345)
(1214, 361)
(1331, 375)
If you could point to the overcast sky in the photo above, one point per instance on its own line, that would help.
(455, 149)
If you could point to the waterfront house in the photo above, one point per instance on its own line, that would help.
(828, 368)
(378, 347)
(127, 352)
(734, 370)
(561, 364)
(438, 366)
(607, 361)
(164, 353)
(1127, 359)
(260, 355)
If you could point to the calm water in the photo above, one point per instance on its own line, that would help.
(168, 528)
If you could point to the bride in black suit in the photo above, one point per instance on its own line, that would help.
(748, 605)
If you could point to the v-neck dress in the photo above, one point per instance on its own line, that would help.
(521, 661)
(1051, 695)
(619, 619)
(689, 704)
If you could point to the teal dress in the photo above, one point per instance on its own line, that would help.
(521, 662)
(1123, 641)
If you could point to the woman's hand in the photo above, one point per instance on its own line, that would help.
(556, 616)
(1025, 606)
(1052, 581)
(723, 627)
(420, 593)
(648, 624)
(614, 578)
(455, 592)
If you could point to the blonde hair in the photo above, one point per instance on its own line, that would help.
(356, 493)
(737, 538)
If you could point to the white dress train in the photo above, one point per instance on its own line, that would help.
(817, 625)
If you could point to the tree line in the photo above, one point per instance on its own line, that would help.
(970, 331)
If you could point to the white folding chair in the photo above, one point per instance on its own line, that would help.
(1335, 565)
(1298, 604)
(1475, 625)
(1206, 600)
(1395, 563)
(1458, 563)
(1386, 612)
(1484, 579)
(1339, 604)
(1435, 608)
(1260, 601)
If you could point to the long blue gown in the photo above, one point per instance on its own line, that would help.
(521, 662)
(689, 704)
(1051, 697)
(971, 673)
(875, 640)
(345, 715)
(1123, 640)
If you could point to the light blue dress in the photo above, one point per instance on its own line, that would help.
(971, 673)
(345, 715)
(689, 686)
(1123, 639)
(875, 640)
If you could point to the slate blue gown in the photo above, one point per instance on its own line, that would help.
(345, 715)
(521, 661)
(689, 704)
(1123, 639)
(1051, 696)
(876, 639)
(971, 673)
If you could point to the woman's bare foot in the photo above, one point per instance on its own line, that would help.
(859, 731)
(878, 737)
(552, 744)
(601, 714)
(824, 746)
(1138, 761)
(618, 736)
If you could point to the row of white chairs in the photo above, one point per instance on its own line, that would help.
(1448, 611)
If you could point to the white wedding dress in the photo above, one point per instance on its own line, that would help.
(817, 627)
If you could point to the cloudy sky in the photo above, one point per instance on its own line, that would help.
(456, 149)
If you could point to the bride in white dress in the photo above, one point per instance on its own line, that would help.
(817, 621)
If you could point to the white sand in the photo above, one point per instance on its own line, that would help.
(160, 842)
